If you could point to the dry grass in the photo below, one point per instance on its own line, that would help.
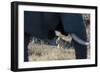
(46, 52)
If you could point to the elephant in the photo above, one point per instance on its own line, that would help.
(43, 25)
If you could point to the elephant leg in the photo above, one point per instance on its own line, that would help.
(52, 37)
(80, 49)
(26, 41)
(51, 34)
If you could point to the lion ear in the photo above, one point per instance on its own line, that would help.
(57, 33)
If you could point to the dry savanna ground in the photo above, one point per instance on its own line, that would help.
(45, 52)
